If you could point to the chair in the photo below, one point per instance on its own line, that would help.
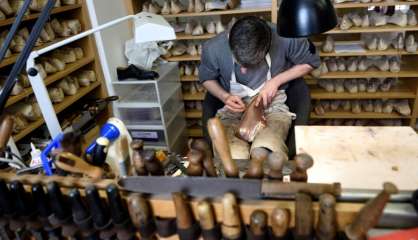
(298, 100)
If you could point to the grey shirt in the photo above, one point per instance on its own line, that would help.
(217, 64)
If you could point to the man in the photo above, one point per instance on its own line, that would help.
(252, 61)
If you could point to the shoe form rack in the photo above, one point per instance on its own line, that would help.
(407, 78)
(70, 104)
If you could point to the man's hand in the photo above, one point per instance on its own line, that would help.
(267, 93)
(234, 103)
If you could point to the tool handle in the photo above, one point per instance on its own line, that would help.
(57, 202)
(74, 164)
(41, 200)
(141, 216)
(80, 213)
(7, 203)
(98, 211)
(183, 212)
(23, 202)
(117, 208)
(208, 164)
(6, 128)
(220, 142)
(271, 188)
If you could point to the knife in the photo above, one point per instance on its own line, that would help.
(216, 187)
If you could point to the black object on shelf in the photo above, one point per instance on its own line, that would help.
(133, 72)
(303, 18)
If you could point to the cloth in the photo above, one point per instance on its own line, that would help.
(216, 60)
(273, 137)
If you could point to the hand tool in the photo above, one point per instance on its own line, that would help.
(138, 162)
(152, 164)
(119, 214)
(203, 146)
(258, 157)
(22, 212)
(26, 210)
(207, 220)
(327, 223)
(258, 225)
(304, 217)
(81, 216)
(61, 214)
(195, 167)
(220, 142)
(214, 187)
(275, 162)
(280, 221)
(141, 216)
(303, 162)
(369, 215)
(99, 212)
(231, 220)
(187, 227)
(6, 128)
(74, 164)
(42, 205)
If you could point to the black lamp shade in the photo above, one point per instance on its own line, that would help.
(303, 18)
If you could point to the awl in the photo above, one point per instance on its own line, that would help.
(215, 187)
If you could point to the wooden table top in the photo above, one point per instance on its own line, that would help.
(361, 157)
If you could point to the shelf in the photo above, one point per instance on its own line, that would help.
(406, 72)
(363, 115)
(237, 10)
(9, 21)
(191, 97)
(183, 58)
(386, 28)
(194, 114)
(371, 4)
(195, 132)
(12, 59)
(59, 107)
(389, 52)
(399, 92)
(183, 36)
(69, 68)
(190, 78)
(68, 100)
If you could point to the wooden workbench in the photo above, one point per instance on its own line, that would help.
(361, 157)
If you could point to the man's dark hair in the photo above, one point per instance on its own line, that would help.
(250, 40)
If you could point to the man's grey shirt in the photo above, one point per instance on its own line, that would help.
(217, 64)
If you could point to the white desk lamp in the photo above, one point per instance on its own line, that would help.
(147, 27)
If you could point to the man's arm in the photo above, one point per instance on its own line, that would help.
(233, 103)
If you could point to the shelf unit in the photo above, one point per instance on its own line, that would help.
(89, 61)
(408, 74)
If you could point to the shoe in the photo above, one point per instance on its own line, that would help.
(191, 6)
(211, 27)
(166, 8)
(410, 44)
(199, 6)
(346, 23)
(399, 18)
(362, 85)
(372, 85)
(339, 85)
(328, 45)
(412, 18)
(219, 27)
(326, 84)
(351, 85)
(331, 65)
(133, 72)
(356, 19)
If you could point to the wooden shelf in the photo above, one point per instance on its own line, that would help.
(183, 58)
(237, 10)
(194, 114)
(380, 4)
(386, 28)
(56, 10)
(191, 97)
(12, 59)
(183, 36)
(68, 100)
(363, 115)
(389, 52)
(190, 78)
(398, 92)
(404, 73)
(195, 132)
(69, 68)
(59, 107)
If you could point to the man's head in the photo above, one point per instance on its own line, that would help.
(250, 40)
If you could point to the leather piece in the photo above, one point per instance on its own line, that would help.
(252, 122)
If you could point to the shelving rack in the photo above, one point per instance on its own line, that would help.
(88, 62)
(408, 89)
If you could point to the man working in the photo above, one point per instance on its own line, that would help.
(252, 61)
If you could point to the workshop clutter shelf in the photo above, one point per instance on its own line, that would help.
(64, 70)
(153, 109)
(212, 22)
